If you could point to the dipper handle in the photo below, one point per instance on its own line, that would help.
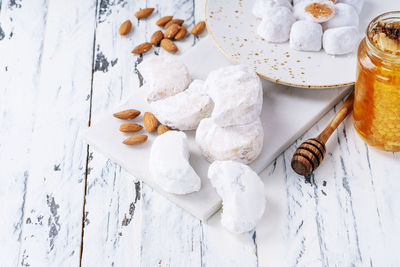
(310, 153)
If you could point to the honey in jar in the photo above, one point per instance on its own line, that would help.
(376, 109)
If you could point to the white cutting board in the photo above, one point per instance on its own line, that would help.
(287, 113)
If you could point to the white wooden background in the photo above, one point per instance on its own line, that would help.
(62, 64)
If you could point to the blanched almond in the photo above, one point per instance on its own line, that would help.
(164, 20)
(135, 140)
(144, 13)
(130, 127)
(168, 45)
(142, 48)
(181, 34)
(150, 122)
(156, 37)
(128, 114)
(199, 28)
(125, 27)
(171, 31)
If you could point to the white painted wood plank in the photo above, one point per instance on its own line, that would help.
(106, 80)
(112, 212)
(168, 235)
(52, 227)
(19, 66)
(334, 218)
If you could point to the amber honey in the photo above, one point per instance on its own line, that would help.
(377, 91)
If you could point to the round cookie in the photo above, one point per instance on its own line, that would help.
(357, 4)
(306, 36)
(340, 41)
(237, 95)
(276, 27)
(262, 8)
(345, 15)
(241, 143)
(316, 10)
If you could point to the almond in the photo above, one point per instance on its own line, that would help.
(130, 127)
(125, 27)
(135, 140)
(168, 45)
(142, 48)
(171, 31)
(181, 34)
(164, 20)
(199, 28)
(156, 37)
(144, 13)
(150, 122)
(174, 21)
(162, 129)
(128, 114)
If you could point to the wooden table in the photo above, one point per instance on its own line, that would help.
(62, 64)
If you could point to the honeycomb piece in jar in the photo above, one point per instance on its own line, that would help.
(386, 36)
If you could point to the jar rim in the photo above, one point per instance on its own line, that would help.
(382, 17)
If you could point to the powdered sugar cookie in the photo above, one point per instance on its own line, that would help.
(306, 36)
(165, 76)
(339, 41)
(276, 27)
(172, 171)
(240, 143)
(357, 4)
(315, 10)
(262, 8)
(185, 110)
(237, 95)
(345, 15)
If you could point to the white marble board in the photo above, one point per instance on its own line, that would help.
(287, 113)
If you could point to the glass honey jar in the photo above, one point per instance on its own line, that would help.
(376, 110)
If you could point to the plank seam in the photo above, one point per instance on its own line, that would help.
(87, 147)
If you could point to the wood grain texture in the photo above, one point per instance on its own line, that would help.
(333, 217)
(67, 205)
(54, 197)
(19, 69)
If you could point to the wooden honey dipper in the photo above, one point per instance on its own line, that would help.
(310, 153)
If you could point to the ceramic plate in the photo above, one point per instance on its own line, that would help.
(233, 27)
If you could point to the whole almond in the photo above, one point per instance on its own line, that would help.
(142, 48)
(130, 127)
(174, 21)
(128, 114)
(171, 31)
(164, 20)
(199, 28)
(125, 27)
(144, 13)
(135, 140)
(162, 129)
(156, 37)
(150, 122)
(168, 45)
(181, 34)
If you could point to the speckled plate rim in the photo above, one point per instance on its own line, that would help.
(261, 75)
